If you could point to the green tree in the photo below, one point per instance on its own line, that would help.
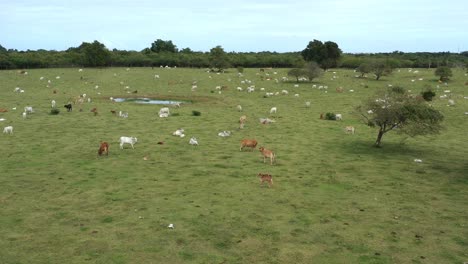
(163, 46)
(93, 54)
(444, 73)
(312, 70)
(296, 73)
(218, 59)
(364, 68)
(396, 110)
(327, 54)
(380, 68)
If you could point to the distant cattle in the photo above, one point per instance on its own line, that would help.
(267, 154)
(248, 143)
(28, 109)
(265, 177)
(349, 129)
(69, 107)
(8, 130)
(103, 148)
(94, 110)
(128, 140)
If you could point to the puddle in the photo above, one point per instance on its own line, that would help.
(147, 101)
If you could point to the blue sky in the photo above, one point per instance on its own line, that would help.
(242, 26)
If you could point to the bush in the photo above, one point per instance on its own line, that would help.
(240, 69)
(428, 94)
(55, 111)
(330, 116)
(196, 113)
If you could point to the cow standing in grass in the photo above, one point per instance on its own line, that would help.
(103, 148)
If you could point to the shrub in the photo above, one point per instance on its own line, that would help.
(196, 113)
(54, 111)
(240, 69)
(330, 116)
(428, 94)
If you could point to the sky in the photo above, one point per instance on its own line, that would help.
(357, 26)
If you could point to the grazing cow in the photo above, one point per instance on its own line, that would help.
(339, 117)
(3, 110)
(53, 103)
(249, 143)
(8, 130)
(25, 114)
(103, 148)
(349, 129)
(224, 133)
(113, 112)
(268, 154)
(94, 110)
(28, 109)
(193, 141)
(273, 110)
(265, 177)
(128, 140)
(68, 107)
(307, 104)
(239, 108)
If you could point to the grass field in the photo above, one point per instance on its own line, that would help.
(336, 199)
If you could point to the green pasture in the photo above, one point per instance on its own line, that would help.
(335, 199)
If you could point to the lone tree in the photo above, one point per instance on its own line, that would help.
(395, 109)
(444, 73)
(327, 54)
(297, 73)
(364, 68)
(380, 68)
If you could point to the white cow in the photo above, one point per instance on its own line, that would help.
(224, 133)
(179, 132)
(53, 103)
(273, 110)
(307, 104)
(193, 141)
(128, 140)
(28, 109)
(239, 108)
(164, 112)
(339, 117)
(349, 129)
(8, 130)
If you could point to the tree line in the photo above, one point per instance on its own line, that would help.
(164, 52)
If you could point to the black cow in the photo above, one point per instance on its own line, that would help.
(68, 107)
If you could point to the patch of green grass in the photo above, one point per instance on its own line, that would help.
(335, 198)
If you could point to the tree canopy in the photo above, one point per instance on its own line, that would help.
(218, 59)
(163, 46)
(396, 110)
(327, 54)
(444, 73)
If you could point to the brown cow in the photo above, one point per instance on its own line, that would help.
(267, 154)
(265, 177)
(250, 143)
(94, 110)
(104, 148)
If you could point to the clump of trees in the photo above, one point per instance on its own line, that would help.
(310, 71)
(396, 110)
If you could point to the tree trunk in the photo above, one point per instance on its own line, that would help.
(379, 138)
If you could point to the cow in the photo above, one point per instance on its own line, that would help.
(103, 148)
(94, 110)
(242, 120)
(349, 129)
(265, 177)
(128, 140)
(250, 143)
(69, 107)
(28, 109)
(267, 154)
(8, 130)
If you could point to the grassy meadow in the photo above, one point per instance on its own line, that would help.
(335, 199)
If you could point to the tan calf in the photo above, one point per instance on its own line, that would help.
(265, 177)
(267, 154)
